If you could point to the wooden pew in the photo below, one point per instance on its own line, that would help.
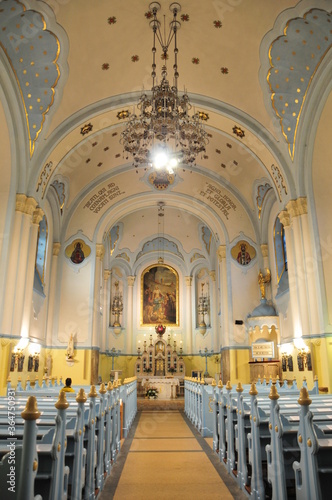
(313, 474)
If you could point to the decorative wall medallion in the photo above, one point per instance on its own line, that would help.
(161, 180)
(185, 17)
(77, 251)
(105, 66)
(195, 60)
(148, 14)
(243, 252)
(135, 58)
(238, 131)
(111, 20)
(217, 24)
(123, 114)
(86, 128)
(224, 70)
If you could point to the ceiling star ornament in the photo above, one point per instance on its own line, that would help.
(238, 131)
(86, 129)
(123, 114)
(163, 134)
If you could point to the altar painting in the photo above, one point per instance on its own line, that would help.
(160, 296)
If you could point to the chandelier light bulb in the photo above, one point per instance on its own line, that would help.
(160, 160)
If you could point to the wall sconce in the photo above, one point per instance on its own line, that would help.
(18, 356)
(117, 308)
(304, 360)
(304, 355)
(203, 308)
(33, 359)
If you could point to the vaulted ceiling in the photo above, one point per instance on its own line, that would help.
(77, 68)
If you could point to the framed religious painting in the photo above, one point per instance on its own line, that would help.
(159, 296)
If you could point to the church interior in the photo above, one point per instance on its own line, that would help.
(166, 239)
(228, 250)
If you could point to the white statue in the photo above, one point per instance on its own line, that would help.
(70, 348)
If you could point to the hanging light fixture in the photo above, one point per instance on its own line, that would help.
(163, 134)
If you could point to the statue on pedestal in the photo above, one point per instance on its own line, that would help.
(262, 280)
(70, 348)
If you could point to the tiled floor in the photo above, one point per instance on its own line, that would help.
(164, 457)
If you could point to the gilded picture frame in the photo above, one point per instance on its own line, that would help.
(159, 296)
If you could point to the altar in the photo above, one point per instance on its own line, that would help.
(166, 387)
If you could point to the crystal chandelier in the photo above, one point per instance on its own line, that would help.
(162, 134)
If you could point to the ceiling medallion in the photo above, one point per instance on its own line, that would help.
(161, 180)
(86, 129)
(163, 134)
(238, 131)
(122, 115)
(202, 116)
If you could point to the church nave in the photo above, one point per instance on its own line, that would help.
(165, 457)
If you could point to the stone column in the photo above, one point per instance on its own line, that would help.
(215, 326)
(10, 287)
(37, 217)
(106, 308)
(266, 265)
(284, 218)
(189, 341)
(310, 270)
(130, 313)
(51, 293)
(96, 329)
(225, 320)
(295, 209)
(225, 340)
(22, 267)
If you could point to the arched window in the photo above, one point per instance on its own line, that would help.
(280, 256)
(39, 280)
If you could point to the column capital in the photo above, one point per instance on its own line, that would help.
(265, 250)
(30, 206)
(56, 249)
(100, 251)
(107, 274)
(188, 280)
(131, 280)
(20, 202)
(221, 252)
(284, 218)
(212, 275)
(297, 207)
(37, 216)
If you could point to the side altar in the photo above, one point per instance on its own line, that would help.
(160, 366)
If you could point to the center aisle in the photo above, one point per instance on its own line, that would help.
(165, 457)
